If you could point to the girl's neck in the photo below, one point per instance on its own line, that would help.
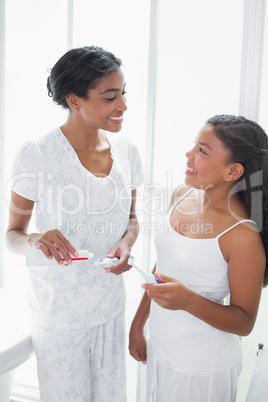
(223, 200)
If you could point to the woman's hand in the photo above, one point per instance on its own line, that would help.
(120, 250)
(169, 294)
(18, 239)
(51, 243)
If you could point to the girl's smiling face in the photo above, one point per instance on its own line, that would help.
(208, 162)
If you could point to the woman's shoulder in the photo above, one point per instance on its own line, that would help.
(33, 151)
(35, 143)
(28, 149)
(49, 138)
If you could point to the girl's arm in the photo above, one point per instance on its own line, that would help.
(18, 239)
(122, 248)
(245, 273)
(137, 341)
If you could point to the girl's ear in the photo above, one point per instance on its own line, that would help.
(236, 170)
(73, 102)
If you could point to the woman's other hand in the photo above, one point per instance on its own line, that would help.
(120, 250)
(51, 243)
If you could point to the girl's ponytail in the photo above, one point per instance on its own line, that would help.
(247, 143)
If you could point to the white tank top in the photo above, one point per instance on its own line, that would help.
(180, 340)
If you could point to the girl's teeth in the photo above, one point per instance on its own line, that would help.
(191, 170)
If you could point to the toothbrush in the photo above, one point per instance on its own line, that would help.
(109, 262)
(149, 278)
(106, 262)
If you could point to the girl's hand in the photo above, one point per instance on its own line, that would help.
(120, 250)
(170, 294)
(137, 345)
(51, 243)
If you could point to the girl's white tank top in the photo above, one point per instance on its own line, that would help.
(180, 340)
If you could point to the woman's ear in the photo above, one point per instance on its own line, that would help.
(73, 102)
(235, 171)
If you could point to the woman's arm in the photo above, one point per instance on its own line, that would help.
(18, 239)
(20, 212)
(245, 273)
(122, 248)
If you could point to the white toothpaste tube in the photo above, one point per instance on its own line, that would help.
(35, 257)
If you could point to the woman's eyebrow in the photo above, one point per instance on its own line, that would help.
(112, 90)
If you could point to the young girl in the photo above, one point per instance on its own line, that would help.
(81, 178)
(194, 352)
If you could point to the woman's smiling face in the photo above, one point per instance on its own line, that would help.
(106, 103)
(208, 161)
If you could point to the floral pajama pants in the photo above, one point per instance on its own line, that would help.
(83, 365)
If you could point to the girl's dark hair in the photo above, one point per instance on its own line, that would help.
(247, 144)
(78, 71)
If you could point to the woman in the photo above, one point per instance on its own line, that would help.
(81, 178)
(194, 352)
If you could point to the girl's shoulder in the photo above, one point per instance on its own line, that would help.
(181, 192)
(243, 236)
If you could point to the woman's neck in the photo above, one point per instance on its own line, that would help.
(81, 137)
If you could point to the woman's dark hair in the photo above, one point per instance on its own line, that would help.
(78, 71)
(247, 144)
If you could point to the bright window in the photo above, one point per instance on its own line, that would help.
(36, 36)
